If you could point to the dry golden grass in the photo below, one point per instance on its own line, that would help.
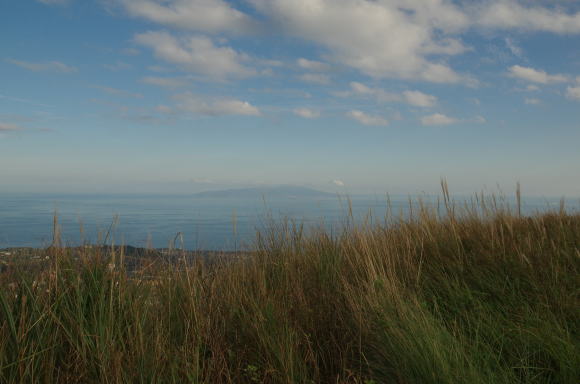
(468, 293)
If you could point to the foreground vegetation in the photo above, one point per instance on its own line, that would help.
(471, 294)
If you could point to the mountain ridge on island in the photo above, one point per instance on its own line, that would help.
(280, 191)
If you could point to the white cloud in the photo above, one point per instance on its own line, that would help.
(307, 113)
(199, 15)
(118, 92)
(338, 182)
(366, 119)
(415, 98)
(377, 93)
(509, 14)
(167, 82)
(438, 119)
(221, 107)
(439, 73)
(312, 65)
(532, 101)
(51, 66)
(9, 127)
(419, 99)
(534, 75)
(408, 39)
(315, 78)
(197, 54)
(573, 93)
(379, 38)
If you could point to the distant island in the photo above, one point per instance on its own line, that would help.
(282, 191)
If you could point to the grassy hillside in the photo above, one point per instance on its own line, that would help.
(470, 294)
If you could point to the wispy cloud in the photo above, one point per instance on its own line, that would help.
(367, 119)
(118, 66)
(535, 75)
(515, 49)
(477, 120)
(438, 119)
(197, 54)
(420, 99)
(441, 119)
(25, 101)
(118, 92)
(307, 113)
(167, 82)
(337, 182)
(502, 14)
(532, 101)
(414, 98)
(379, 94)
(199, 15)
(532, 88)
(130, 51)
(573, 93)
(50, 66)
(315, 78)
(217, 107)
(9, 127)
(312, 65)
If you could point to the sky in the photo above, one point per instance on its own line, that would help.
(355, 96)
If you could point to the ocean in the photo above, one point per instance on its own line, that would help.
(199, 223)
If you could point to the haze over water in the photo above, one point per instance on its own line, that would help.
(207, 223)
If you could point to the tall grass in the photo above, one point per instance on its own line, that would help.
(473, 293)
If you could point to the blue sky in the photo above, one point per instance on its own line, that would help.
(356, 96)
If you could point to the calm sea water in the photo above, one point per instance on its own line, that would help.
(205, 223)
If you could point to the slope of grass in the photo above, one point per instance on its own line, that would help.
(448, 295)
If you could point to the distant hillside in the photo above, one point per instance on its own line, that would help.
(285, 191)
